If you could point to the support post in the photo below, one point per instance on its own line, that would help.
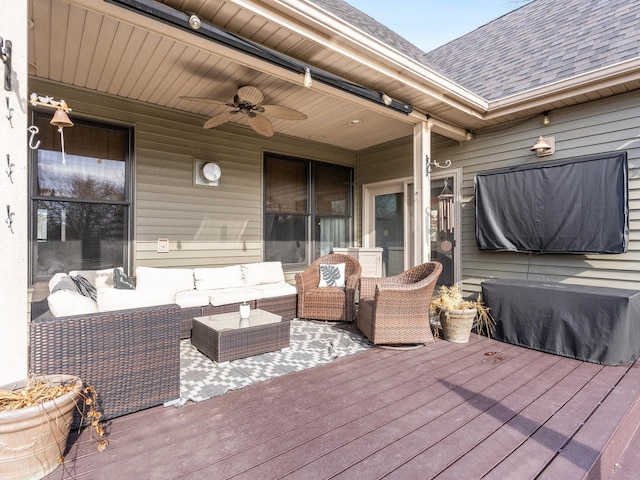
(422, 192)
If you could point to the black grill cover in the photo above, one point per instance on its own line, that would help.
(595, 324)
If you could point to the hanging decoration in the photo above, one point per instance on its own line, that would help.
(445, 209)
(60, 116)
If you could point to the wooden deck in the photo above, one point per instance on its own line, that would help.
(480, 410)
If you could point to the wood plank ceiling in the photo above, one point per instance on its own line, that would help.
(77, 46)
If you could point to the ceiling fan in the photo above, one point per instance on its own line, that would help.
(248, 101)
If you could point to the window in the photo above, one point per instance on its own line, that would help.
(80, 202)
(300, 194)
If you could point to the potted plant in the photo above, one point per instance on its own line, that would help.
(35, 419)
(458, 316)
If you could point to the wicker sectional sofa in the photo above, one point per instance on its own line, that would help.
(125, 343)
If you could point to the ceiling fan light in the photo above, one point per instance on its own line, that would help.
(249, 94)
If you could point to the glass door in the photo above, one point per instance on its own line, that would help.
(388, 223)
(389, 231)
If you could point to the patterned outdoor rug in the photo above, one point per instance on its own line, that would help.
(312, 344)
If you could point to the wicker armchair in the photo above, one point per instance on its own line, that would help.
(328, 303)
(395, 310)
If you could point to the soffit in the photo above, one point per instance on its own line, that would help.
(102, 47)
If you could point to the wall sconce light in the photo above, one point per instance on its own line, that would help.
(546, 119)
(307, 78)
(195, 22)
(544, 146)
(386, 99)
(468, 136)
(206, 173)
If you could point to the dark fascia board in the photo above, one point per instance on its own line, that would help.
(163, 13)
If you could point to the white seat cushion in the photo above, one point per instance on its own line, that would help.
(151, 277)
(262, 273)
(110, 299)
(280, 289)
(220, 277)
(226, 296)
(194, 298)
(67, 302)
(97, 278)
(61, 281)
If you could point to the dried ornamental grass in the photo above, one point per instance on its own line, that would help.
(39, 390)
(450, 298)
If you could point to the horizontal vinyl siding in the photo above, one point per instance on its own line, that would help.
(206, 226)
(386, 162)
(602, 126)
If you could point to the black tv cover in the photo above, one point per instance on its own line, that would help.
(577, 205)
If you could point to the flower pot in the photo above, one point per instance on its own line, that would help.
(457, 324)
(32, 439)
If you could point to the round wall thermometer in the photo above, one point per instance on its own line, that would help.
(211, 172)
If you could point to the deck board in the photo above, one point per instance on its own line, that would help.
(485, 409)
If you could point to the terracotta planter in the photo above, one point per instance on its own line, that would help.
(457, 324)
(32, 439)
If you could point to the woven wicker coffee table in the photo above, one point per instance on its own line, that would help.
(226, 337)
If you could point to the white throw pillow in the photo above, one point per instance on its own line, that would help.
(63, 303)
(151, 277)
(97, 278)
(331, 275)
(117, 299)
(219, 277)
(262, 273)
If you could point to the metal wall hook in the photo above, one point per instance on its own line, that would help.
(9, 113)
(434, 163)
(9, 168)
(33, 130)
(9, 219)
(5, 53)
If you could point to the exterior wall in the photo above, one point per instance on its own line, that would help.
(596, 127)
(13, 147)
(206, 226)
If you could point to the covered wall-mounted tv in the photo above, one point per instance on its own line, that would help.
(576, 205)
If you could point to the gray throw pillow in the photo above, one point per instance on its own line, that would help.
(122, 281)
(85, 288)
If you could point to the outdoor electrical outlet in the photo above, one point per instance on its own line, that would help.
(163, 245)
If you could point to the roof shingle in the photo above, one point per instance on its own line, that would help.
(539, 43)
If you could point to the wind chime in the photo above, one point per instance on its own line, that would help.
(60, 116)
(445, 209)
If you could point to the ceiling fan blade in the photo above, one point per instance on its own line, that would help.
(218, 119)
(250, 95)
(205, 100)
(285, 113)
(261, 124)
